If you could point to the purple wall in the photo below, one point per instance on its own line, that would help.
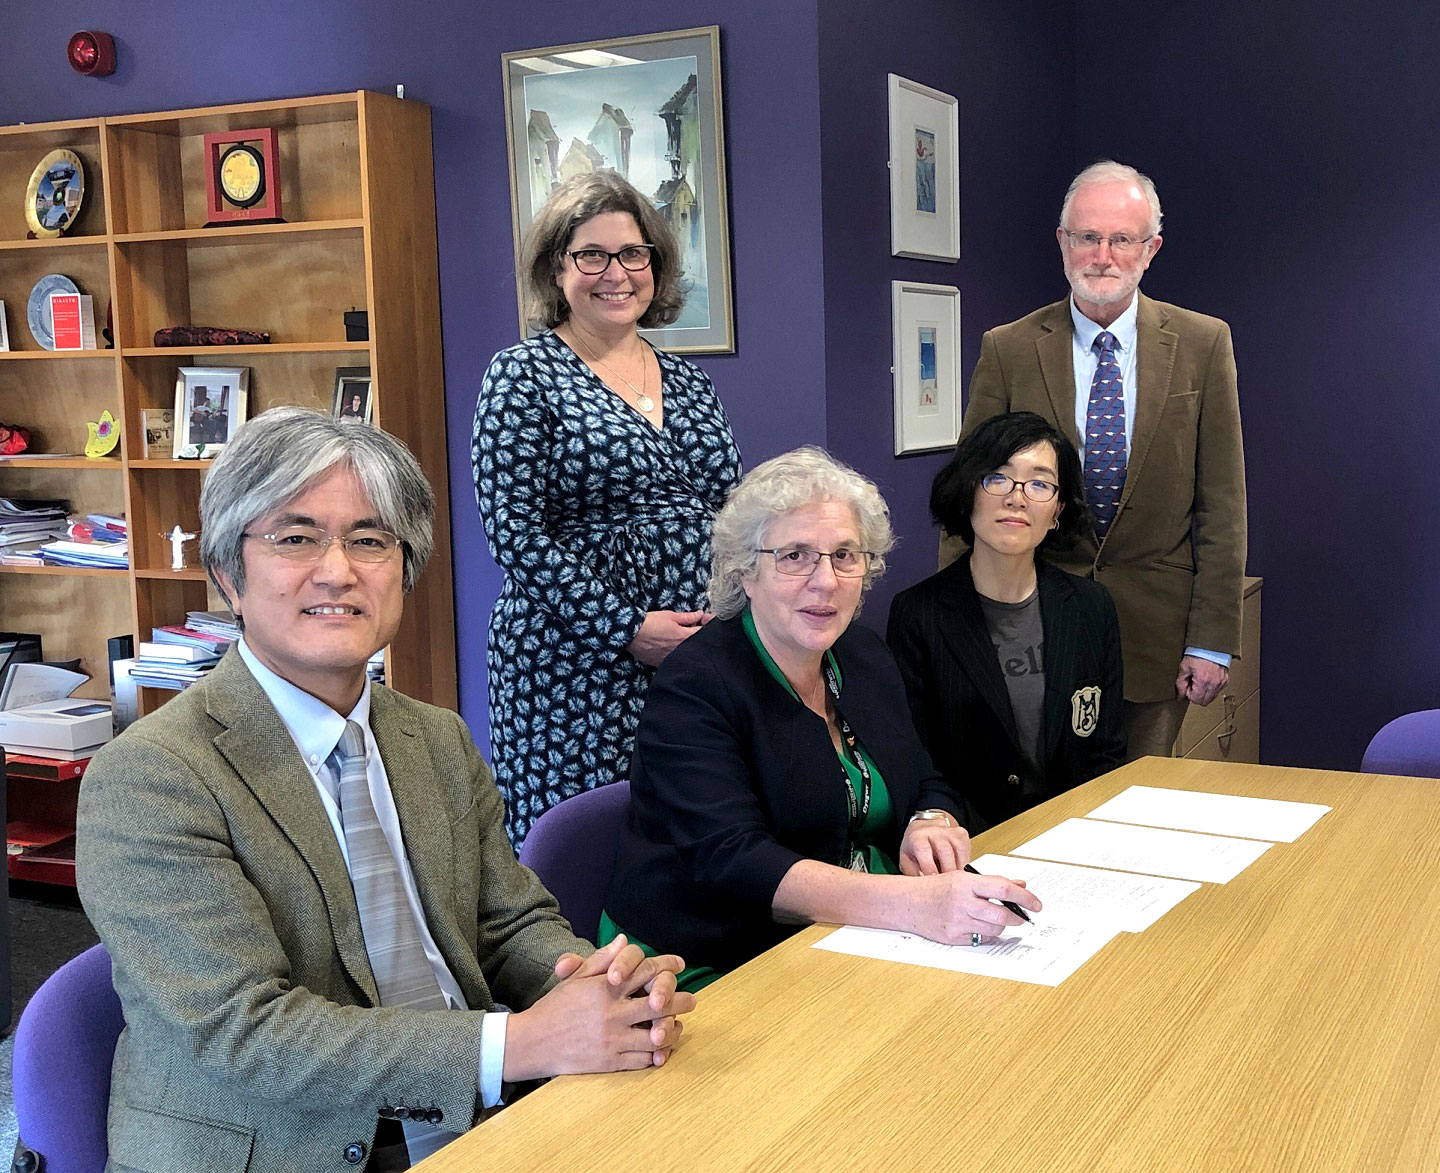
(1012, 69)
(169, 57)
(1299, 184)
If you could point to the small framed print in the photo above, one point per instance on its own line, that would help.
(924, 172)
(210, 405)
(926, 324)
(158, 424)
(352, 394)
(4, 329)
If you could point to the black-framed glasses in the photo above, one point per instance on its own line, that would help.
(308, 543)
(594, 261)
(997, 484)
(1121, 243)
(801, 561)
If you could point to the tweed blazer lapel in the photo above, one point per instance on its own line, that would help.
(968, 637)
(259, 748)
(1054, 349)
(424, 820)
(1155, 368)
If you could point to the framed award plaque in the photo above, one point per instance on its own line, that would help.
(242, 179)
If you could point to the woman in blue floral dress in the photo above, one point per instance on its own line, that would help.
(599, 463)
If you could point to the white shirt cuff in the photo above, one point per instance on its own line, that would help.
(1221, 658)
(492, 1057)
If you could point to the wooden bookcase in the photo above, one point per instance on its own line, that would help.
(357, 181)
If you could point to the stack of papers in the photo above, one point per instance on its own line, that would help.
(25, 522)
(1119, 869)
(176, 657)
(114, 555)
(217, 623)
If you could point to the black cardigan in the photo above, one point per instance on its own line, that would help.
(961, 706)
(734, 781)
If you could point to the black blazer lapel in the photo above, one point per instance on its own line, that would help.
(968, 638)
(258, 746)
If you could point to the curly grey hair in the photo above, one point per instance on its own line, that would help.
(806, 476)
(277, 455)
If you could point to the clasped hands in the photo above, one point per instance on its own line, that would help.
(616, 1010)
(953, 904)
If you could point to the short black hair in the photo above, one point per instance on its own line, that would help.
(985, 449)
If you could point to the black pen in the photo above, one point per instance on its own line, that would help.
(1010, 904)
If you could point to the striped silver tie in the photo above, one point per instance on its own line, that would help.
(397, 957)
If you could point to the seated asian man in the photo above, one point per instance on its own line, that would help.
(303, 879)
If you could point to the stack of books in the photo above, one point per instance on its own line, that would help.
(218, 623)
(26, 522)
(109, 555)
(175, 658)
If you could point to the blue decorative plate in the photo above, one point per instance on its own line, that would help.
(55, 193)
(37, 312)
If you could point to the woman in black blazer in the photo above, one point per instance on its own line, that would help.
(777, 778)
(1012, 666)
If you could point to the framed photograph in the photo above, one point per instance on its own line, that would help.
(352, 394)
(158, 424)
(4, 329)
(924, 172)
(647, 107)
(926, 323)
(209, 407)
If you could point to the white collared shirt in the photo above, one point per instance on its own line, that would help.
(316, 729)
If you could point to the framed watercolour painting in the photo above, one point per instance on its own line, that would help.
(924, 172)
(209, 407)
(647, 107)
(926, 324)
(352, 394)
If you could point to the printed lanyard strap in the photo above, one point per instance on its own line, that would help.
(859, 810)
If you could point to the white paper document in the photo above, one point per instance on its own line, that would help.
(1217, 814)
(1088, 896)
(1182, 854)
(1043, 954)
(34, 684)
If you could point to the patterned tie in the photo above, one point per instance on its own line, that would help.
(397, 956)
(1105, 454)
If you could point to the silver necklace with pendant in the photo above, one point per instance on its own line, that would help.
(642, 393)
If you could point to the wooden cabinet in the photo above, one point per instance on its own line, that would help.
(1228, 729)
(357, 181)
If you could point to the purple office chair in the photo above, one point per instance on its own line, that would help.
(1408, 745)
(571, 848)
(64, 1046)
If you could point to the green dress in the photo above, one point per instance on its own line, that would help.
(697, 977)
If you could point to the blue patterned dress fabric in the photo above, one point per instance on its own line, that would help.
(596, 517)
(1105, 452)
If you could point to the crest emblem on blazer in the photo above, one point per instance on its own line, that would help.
(1085, 710)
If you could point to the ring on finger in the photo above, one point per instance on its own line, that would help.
(975, 939)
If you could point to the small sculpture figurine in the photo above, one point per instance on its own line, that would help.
(177, 537)
(103, 436)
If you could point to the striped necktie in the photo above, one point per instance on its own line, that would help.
(392, 940)
(1105, 453)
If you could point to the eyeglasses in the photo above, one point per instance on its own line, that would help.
(801, 561)
(1121, 243)
(594, 261)
(308, 543)
(997, 484)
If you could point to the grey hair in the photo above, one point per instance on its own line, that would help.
(279, 454)
(1109, 171)
(580, 198)
(806, 476)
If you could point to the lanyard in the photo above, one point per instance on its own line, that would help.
(859, 810)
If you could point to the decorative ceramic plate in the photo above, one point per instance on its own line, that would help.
(37, 312)
(55, 193)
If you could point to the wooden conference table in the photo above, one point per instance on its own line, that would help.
(1287, 1020)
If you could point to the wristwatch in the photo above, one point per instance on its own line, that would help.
(928, 815)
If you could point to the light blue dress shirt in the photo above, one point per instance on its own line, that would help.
(1086, 359)
(316, 728)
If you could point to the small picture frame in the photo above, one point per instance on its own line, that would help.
(926, 324)
(924, 172)
(4, 329)
(352, 394)
(210, 405)
(158, 425)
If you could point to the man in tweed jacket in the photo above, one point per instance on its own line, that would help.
(211, 859)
